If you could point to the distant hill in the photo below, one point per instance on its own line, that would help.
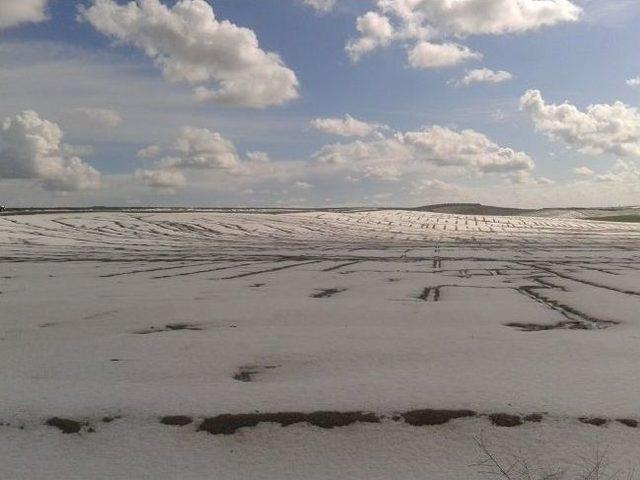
(473, 209)
(566, 212)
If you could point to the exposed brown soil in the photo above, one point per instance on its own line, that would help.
(246, 373)
(539, 327)
(65, 425)
(434, 417)
(176, 420)
(430, 294)
(597, 421)
(171, 327)
(534, 418)
(229, 424)
(628, 422)
(505, 420)
(329, 292)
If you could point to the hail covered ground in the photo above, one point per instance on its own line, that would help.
(319, 344)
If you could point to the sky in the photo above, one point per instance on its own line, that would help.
(529, 103)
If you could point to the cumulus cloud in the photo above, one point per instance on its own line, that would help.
(613, 129)
(189, 44)
(444, 146)
(16, 12)
(375, 31)
(152, 151)
(623, 172)
(583, 171)
(402, 153)
(193, 149)
(32, 148)
(425, 21)
(634, 82)
(166, 178)
(203, 149)
(436, 55)
(321, 5)
(346, 127)
(484, 75)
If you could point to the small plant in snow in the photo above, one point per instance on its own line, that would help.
(513, 466)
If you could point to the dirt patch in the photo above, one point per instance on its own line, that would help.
(505, 420)
(421, 418)
(176, 420)
(246, 373)
(430, 294)
(628, 422)
(329, 292)
(65, 425)
(534, 418)
(171, 327)
(229, 424)
(538, 327)
(596, 421)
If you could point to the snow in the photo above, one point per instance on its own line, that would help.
(417, 320)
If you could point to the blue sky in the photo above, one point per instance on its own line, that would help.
(110, 99)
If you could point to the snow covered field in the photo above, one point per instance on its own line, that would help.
(409, 333)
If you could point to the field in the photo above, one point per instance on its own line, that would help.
(316, 345)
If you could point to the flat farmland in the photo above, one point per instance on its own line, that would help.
(360, 344)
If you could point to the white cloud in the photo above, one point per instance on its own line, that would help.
(436, 55)
(446, 147)
(321, 5)
(375, 31)
(152, 151)
(193, 149)
(100, 117)
(484, 17)
(166, 178)
(16, 12)
(466, 151)
(623, 172)
(190, 45)
(634, 82)
(425, 21)
(484, 75)
(203, 149)
(583, 171)
(613, 129)
(32, 148)
(431, 187)
(346, 127)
